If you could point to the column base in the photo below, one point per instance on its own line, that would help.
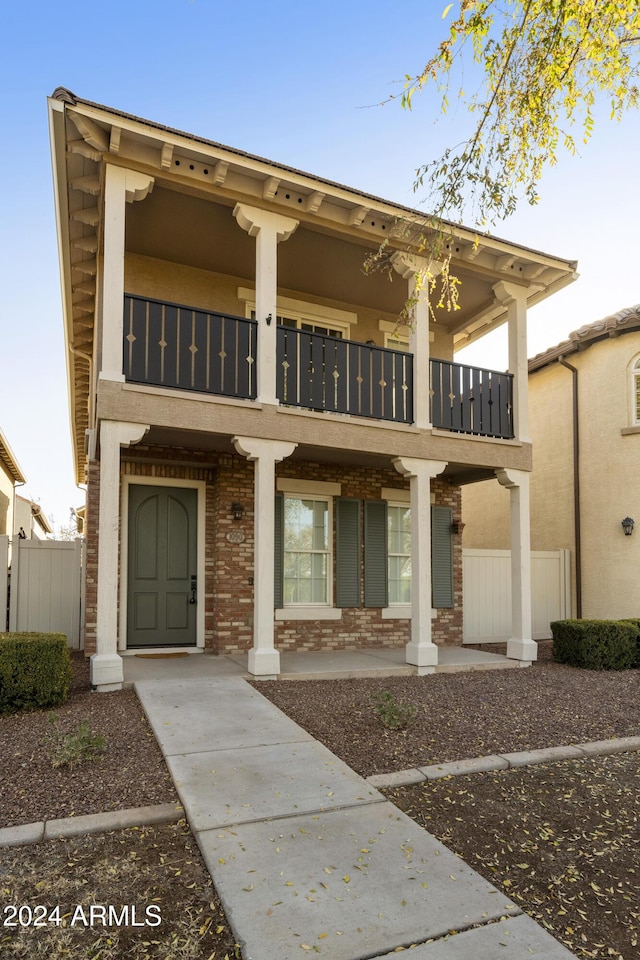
(424, 656)
(264, 664)
(107, 672)
(522, 650)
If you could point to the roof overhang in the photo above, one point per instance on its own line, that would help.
(84, 135)
(11, 465)
(615, 325)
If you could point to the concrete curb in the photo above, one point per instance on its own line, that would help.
(92, 823)
(504, 761)
(26, 833)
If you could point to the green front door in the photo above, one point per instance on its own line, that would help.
(162, 585)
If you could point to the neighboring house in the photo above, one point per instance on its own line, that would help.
(585, 426)
(30, 519)
(10, 476)
(268, 467)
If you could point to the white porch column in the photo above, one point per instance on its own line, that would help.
(411, 268)
(521, 646)
(264, 659)
(106, 663)
(420, 651)
(269, 229)
(122, 186)
(514, 299)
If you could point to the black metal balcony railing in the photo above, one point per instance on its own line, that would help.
(169, 345)
(175, 346)
(470, 400)
(321, 372)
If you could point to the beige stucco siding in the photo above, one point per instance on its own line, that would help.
(6, 502)
(179, 283)
(610, 480)
(609, 477)
(552, 426)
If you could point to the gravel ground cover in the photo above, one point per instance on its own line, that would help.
(165, 905)
(561, 839)
(463, 715)
(130, 772)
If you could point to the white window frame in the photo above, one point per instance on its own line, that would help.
(396, 335)
(304, 312)
(396, 498)
(401, 505)
(322, 491)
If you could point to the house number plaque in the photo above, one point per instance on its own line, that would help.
(235, 536)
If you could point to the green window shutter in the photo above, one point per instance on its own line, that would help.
(348, 540)
(375, 554)
(278, 552)
(441, 557)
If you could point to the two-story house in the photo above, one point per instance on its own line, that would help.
(270, 462)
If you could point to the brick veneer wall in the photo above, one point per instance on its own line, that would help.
(228, 588)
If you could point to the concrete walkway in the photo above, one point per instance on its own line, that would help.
(309, 857)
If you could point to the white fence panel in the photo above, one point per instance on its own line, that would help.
(487, 593)
(4, 581)
(46, 587)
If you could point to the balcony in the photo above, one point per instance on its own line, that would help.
(183, 348)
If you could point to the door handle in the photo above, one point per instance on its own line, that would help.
(194, 581)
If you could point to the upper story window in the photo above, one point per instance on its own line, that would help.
(300, 315)
(635, 392)
(310, 326)
(397, 342)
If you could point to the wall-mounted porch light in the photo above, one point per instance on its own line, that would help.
(237, 511)
(628, 525)
(457, 526)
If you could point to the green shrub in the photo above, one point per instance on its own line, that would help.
(35, 670)
(395, 714)
(595, 644)
(635, 621)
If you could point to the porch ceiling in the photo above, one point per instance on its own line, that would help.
(458, 473)
(183, 168)
(312, 262)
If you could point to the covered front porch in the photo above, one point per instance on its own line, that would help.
(317, 665)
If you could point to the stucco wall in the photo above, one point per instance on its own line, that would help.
(609, 477)
(178, 283)
(6, 502)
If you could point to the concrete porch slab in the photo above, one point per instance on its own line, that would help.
(142, 666)
(313, 665)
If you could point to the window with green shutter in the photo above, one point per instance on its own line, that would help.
(441, 557)
(376, 592)
(348, 552)
(278, 558)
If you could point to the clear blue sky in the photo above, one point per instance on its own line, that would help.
(293, 82)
